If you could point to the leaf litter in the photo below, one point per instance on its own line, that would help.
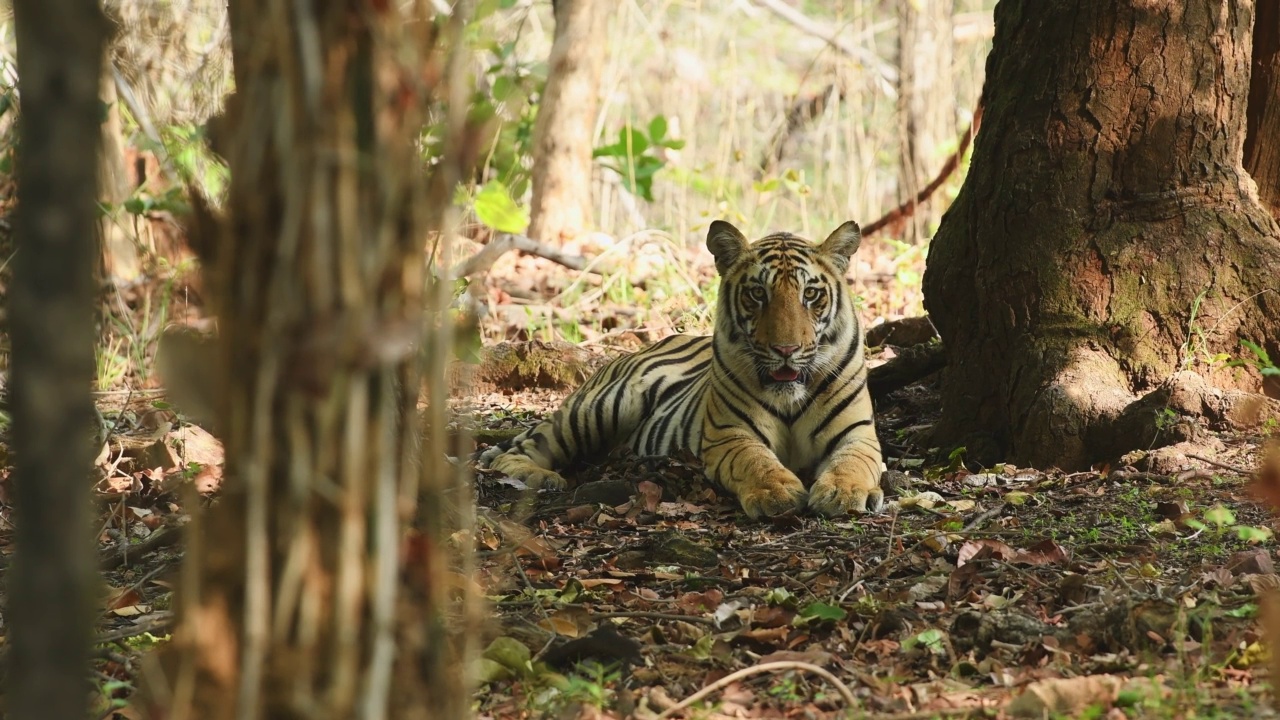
(1013, 592)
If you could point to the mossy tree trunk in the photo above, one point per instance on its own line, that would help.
(314, 588)
(1107, 236)
(563, 132)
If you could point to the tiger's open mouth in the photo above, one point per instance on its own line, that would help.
(784, 374)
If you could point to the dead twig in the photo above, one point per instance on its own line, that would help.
(1225, 466)
(845, 693)
(127, 554)
(157, 621)
(503, 243)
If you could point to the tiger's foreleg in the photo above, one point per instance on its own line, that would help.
(744, 466)
(591, 422)
(533, 455)
(849, 481)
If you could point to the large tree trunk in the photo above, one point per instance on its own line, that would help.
(308, 595)
(1107, 236)
(565, 127)
(1262, 140)
(926, 101)
(49, 618)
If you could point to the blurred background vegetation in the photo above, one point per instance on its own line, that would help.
(775, 115)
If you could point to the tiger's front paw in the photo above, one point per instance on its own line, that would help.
(526, 471)
(772, 494)
(838, 493)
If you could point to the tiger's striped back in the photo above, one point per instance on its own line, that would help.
(777, 393)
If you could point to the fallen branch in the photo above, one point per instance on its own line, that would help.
(909, 366)
(908, 208)
(733, 677)
(822, 31)
(129, 553)
(503, 243)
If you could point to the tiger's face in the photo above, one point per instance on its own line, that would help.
(784, 307)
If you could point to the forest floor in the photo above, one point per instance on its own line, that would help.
(1013, 591)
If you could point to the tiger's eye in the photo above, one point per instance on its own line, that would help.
(757, 294)
(811, 295)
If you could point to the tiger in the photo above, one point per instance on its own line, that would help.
(777, 393)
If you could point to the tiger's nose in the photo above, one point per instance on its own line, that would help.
(785, 350)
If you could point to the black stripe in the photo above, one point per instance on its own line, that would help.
(840, 406)
(747, 421)
(834, 442)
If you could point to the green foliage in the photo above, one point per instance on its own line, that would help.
(635, 157)
(818, 612)
(1221, 520)
(494, 206)
(1261, 360)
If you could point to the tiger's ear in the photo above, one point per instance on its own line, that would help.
(726, 243)
(842, 244)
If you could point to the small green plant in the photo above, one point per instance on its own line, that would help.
(635, 155)
(1261, 360)
(1166, 418)
(1221, 520)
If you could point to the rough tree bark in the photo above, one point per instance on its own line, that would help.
(49, 618)
(924, 78)
(561, 206)
(1107, 236)
(307, 593)
(1261, 149)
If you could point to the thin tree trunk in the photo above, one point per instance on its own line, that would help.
(1106, 237)
(565, 127)
(50, 588)
(926, 101)
(120, 252)
(309, 594)
(1261, 146)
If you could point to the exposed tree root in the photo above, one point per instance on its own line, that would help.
(910, 365)
(1087, 414)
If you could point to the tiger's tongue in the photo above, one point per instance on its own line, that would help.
(785, 374)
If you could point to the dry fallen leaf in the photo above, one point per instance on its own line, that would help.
(1064, 696)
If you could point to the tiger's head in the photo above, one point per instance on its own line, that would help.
(785, 316)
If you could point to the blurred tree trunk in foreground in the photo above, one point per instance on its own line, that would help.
(564, 130)
(50, 588)
(1106, 237)
(1262, 141)
(307, 593)
(926, 96)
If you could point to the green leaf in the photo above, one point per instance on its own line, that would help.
(658, 129)
(633, 141)
(503, 85)
(930, 640)
(764, 186)
(823, 611)
(136, 205)
(495, 208)
(1246, 610)
(1220, 516)
(780, 596)
(1251, 534)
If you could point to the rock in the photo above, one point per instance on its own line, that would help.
(673, 548)
(1256, 561)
